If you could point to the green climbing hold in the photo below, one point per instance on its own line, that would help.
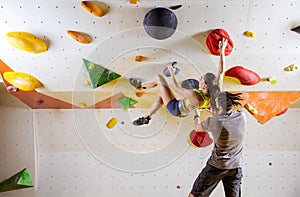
(96, 75)
(18, 181)
(126, 102)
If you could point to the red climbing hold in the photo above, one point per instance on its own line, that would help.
(245, 76)
(213, 39)
(199, 139)
(282, 112)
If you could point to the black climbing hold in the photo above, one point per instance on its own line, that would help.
(160, 23)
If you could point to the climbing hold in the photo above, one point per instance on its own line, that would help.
(12, 88)
(111, 123)
(291, 67)
(22, 81)
(190, 84)
(282, 112)
(140, 94)
(250, 108)
(79, 37)
(160, 23)
(272, 80)
(245, 76)
(199, 139)
(82, 105)
(92, 8)
(96, 75)
(166, 71)
(213, 39)
(40, 103)
(249, 34)
(139, 58)
(18, 181)
(133, 1)
(175, 7)
(26, 41)
(296, 29)
(126, 102)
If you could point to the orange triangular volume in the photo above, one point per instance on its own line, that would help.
(110, 102)
(34, 99)
(266, 105)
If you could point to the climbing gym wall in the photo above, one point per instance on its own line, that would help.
(66, 165)
(72, 130)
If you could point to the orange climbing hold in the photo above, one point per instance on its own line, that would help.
(139, 58)
(140, 94)
(79, 37)
(92, 8)
(133, 1)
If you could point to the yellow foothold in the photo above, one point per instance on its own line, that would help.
(251, 109)
(292, 67)
(92, 66)
(111, 123)
(249, 34)
(272, 80)
(82, 105)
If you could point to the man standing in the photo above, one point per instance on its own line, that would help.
(228, 127)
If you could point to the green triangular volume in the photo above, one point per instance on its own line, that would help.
(126, 102)
(18, 181)
(96, 75)
(25, 179)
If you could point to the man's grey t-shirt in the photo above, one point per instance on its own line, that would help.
(228, 132)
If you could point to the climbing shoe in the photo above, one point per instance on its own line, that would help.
(136, 83)
(141, 121)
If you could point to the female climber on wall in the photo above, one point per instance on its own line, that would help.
(194, 99)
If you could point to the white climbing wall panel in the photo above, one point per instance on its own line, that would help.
(76, 155)
(67, 167)
(17, 141)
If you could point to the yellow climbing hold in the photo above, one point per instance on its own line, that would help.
(272, 79)
(22, 81)
(91, 67)
(26, 41)
(249, 34)
(111, 123)
(292, 67)
(82, 105)
(251, 109)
